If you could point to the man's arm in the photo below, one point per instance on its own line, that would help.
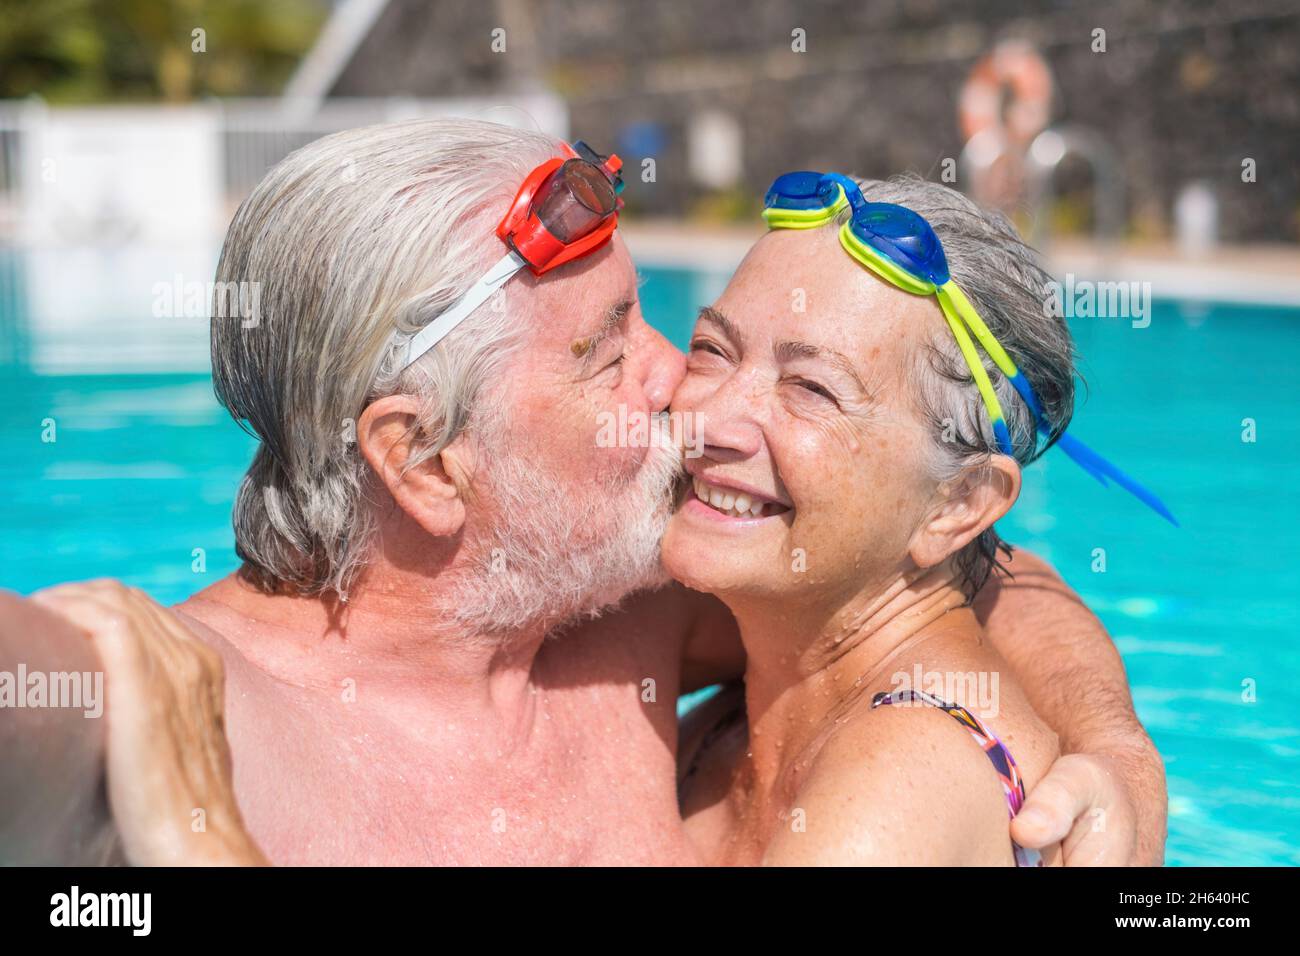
(712, 653)
(1075, 679)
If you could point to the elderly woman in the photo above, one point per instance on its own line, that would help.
(858, 450)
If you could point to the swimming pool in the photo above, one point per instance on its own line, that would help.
(139, 481)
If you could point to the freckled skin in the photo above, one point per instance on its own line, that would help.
(850, 454)
(543, 393)
(552, 752)
(849, 496)
(423, 766)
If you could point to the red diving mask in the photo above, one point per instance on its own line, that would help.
(565, 209)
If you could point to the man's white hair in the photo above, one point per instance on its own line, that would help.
(355, 241)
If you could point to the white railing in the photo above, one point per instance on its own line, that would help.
(257, 134)
(106, 211)
(16, 116)
(252, 134)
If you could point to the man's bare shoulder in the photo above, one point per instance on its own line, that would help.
(210, 617)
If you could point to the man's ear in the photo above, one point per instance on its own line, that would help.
(968, 505)
(431, 492)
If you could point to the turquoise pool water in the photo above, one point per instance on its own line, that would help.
(139, 482)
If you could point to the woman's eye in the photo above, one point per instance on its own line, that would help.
(816, 389)
(706, 347)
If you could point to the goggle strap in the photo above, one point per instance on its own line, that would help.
(956, 306)
(994, 349)
(464, 307)
(1101, 469)
(981, 376)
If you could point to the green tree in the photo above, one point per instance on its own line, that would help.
(86, 51)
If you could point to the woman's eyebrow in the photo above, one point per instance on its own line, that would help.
(584, 348)
(788, 351)
(728, 328)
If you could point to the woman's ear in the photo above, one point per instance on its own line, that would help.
(969, 504)
(431, 492)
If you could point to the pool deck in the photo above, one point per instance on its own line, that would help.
(1256, 274)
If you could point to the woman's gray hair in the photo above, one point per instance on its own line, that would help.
(1005, 281)
(352, 243)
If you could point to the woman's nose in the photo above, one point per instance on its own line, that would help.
(729, 422)
(730, 439)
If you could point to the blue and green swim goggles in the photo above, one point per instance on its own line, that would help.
(901, 247)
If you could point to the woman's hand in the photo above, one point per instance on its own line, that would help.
(1084, 803)
(168, 763)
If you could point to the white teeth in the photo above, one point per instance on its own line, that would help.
(728, 502)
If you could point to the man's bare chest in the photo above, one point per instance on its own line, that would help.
(593, 784)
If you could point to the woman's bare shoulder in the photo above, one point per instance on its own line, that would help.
(964, 669)
(896, 786)
(908, 784)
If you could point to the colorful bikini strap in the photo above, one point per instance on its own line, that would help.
(1008, 771)
(898, 245)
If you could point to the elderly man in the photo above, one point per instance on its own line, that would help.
(415, 671)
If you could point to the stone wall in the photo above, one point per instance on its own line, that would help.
(1184, 91)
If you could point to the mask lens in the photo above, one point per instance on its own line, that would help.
(575, 201)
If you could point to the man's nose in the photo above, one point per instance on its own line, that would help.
(665, 367)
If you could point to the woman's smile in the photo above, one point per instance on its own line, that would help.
(725, 501)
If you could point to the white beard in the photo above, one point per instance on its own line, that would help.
(558, 553)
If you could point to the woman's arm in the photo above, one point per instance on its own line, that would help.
(53, 803)
(1075, 680)
(159, 752)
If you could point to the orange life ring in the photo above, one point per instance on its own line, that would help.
(1016, 67)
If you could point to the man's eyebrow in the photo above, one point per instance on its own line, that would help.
(584, 348)
(728, 328)
(790, 350)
